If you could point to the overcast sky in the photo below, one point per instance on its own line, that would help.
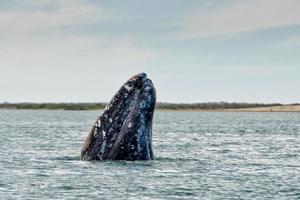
(193, 50)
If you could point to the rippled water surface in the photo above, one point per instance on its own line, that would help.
(199, 155)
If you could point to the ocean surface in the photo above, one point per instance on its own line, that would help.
(198, 155)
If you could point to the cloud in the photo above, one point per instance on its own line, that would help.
(240, 16)
(20, 22)
(60, 67)
(69, 51)
(293, 41)
(40, 60)
(32, 33)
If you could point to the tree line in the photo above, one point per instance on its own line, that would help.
(159, 105)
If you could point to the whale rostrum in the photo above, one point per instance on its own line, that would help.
(124, 130)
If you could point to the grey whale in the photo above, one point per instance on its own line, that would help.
(124, 130)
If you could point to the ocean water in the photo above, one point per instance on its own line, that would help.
(198, 155)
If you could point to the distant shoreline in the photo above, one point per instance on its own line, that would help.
(198, 107)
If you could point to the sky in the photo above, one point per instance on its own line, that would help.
(193, 50)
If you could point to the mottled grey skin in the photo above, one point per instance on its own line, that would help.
(124, 130)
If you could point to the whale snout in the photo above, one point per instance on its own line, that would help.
(135, 82)
(142, 76)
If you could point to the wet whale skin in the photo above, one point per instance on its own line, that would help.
(124, 130)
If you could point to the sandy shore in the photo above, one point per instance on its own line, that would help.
(285, 108)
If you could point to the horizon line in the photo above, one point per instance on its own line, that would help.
(159, 102)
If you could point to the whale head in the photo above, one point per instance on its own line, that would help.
(124, 130)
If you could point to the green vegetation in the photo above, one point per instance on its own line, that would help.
(212, 105)
(54, 106)
(100, 106)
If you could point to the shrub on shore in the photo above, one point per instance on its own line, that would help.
(99, 106)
